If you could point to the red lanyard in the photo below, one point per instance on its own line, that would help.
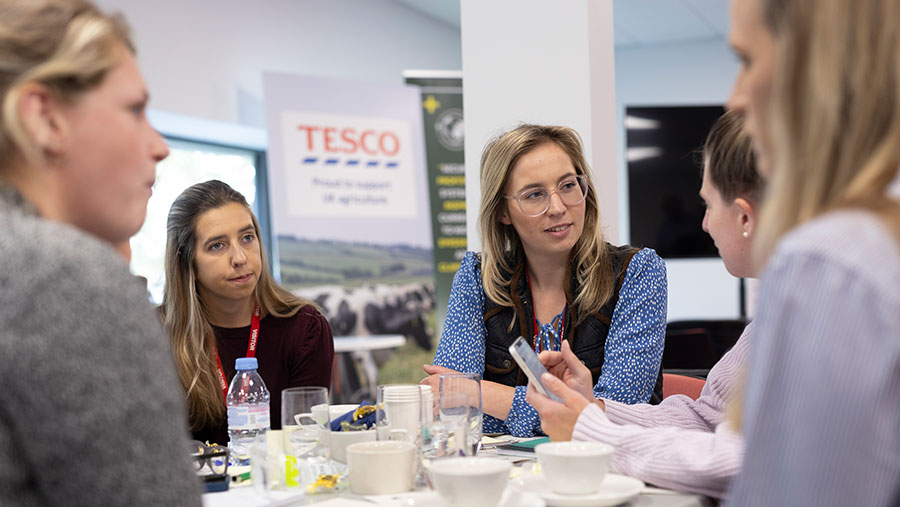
(562, 321)
(251, 349)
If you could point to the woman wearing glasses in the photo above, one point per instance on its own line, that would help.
(547, 274)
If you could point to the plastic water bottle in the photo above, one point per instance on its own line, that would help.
(248, 418)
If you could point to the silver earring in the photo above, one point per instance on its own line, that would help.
(746, 234)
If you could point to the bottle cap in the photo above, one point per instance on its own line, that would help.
(246, 363)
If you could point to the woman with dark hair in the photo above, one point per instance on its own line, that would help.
(221, 303)
(682, 443)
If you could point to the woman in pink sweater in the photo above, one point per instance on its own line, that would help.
(681, 444)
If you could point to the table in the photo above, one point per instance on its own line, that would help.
(361, 348)
(248, 497)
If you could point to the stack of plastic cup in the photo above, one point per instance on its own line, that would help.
(399, 412)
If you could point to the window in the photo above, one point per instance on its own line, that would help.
(188, 163)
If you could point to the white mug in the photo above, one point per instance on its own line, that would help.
(382, 467)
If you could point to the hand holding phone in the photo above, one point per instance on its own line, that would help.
(531, 365)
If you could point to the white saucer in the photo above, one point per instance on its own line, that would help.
(614, 490)
(512, 497)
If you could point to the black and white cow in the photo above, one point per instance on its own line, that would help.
(377, 309)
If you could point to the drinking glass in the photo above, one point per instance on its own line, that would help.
(459, 413)
(304, 424)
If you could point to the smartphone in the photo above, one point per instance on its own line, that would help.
(531, 365)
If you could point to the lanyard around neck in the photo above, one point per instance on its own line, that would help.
(543, 334)
(251, 349)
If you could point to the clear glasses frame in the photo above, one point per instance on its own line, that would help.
(572, 191)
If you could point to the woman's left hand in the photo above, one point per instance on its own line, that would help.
(434, 377)
(557, 419)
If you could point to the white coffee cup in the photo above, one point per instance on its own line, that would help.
(381, 468)
(318, 413)
(470, 482)
(574, 468)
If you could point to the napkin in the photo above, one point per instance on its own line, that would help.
(360, 418)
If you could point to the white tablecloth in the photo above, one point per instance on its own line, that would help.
(248, 497)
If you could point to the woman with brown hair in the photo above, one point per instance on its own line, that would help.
(683, 444)
(221, 303)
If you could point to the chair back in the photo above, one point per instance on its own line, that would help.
(682, 384)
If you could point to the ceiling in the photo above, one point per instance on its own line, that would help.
(637, 22)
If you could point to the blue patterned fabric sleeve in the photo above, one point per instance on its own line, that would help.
(523, 419)
(462, 345)
(462, 341)
(637, 334)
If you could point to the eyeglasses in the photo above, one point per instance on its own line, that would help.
(535, 201)
(210, 462)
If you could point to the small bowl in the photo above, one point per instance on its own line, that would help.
(341, 439)
(470, 482)
(335, 411)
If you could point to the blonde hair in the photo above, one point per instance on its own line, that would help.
(66, 45)
(502, 250)
(835, 112)
(185, 318)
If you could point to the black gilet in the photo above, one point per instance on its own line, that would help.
(588, 339)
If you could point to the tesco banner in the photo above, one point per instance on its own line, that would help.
(350, 207)
(348, 166)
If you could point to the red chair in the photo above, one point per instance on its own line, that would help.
(682, 384)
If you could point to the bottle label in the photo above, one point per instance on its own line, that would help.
(248, 417)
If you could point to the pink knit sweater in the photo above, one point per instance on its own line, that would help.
(680, 444)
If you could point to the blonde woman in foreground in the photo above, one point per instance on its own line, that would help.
(91, 412)
(681, 444)
(820, 89)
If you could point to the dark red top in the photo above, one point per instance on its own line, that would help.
(293, 352)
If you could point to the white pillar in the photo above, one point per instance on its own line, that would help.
(546, 62)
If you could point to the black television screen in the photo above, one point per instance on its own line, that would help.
(663, 145)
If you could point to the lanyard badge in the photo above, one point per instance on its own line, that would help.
(251, 349)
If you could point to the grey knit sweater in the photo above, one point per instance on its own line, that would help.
(91, 412)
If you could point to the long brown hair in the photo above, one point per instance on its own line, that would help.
(185, 317)
(501, 243)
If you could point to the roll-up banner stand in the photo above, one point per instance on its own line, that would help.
(442, 117)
